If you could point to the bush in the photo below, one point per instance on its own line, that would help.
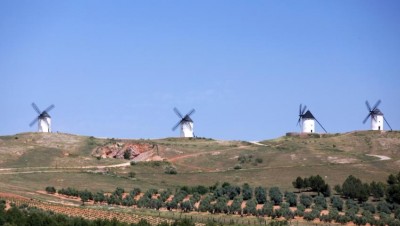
(237, 167)
(306, 200)
(337, 203)
(384, 207)
(50, 190)
(320, 201)
(291, 198)
(236, 206)
(275, 195)
(250, 207)
(260, 194)
(310, 216)
(170, 170)
(247, 192)
(368, 207)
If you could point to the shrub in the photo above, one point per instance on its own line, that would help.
(236, 206)
(368, 207)
(306, 200)
(50, 190)
(351, 204)
(275, 195)
(291, 198)
(247, 192)
(384, 207)
(337, 203)
(260, 194)
(127, 154)
(310, 216)
(170, 170)
(250, 207)
(320, 201)
(237, 167)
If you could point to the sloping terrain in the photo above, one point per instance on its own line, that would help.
(31, 161)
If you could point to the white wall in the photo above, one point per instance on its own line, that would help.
(378, 123)
(44, 125)
(308, 125)
(187, 129)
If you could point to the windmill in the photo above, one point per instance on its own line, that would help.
(186, 123)
(376, 117)
(306, 120)
(43, 119)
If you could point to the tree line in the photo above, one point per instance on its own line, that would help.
(359, 201)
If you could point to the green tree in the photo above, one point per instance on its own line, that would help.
(320, 201)
(317, 184)
(247, 192)
(85, 196)
(275, 195)
(220, 205)
(236, 206)
(393, 188)
(99, 197)
(298, 183)
(353, 188)
(128, 201)
(337, 203)
(291, 198)
(250, 207)
(260, 195)
(306, 200)
(377, 190)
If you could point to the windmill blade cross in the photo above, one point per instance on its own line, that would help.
(49, 108)
(300, 110)
(320, 125)
(191, 112)
(377, 104)
(387, 124)
(34, 121)
(35, 107)
(178, 113)
(366, 118)
(368, 106)
(176, 125)
(304, 109)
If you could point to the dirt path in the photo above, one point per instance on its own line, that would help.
(258, 143)
(24, 170)
(381, 157)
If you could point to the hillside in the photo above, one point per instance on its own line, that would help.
(31, 161)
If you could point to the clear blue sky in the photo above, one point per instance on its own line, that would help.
(117, 68)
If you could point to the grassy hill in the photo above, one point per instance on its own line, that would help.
(31, 161)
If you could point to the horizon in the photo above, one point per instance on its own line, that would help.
(117, 69)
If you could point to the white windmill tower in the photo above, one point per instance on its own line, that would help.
(186, 123)
(43, 119)
(307, 121)
(376, 115)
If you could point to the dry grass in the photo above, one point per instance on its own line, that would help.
(198, 161)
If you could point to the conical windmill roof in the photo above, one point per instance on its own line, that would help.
(187, 119)
(308, 115)
(376, 111)
(44, 115)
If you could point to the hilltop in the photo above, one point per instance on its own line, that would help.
(31, 161)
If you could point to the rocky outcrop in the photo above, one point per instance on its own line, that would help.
(121, 150)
